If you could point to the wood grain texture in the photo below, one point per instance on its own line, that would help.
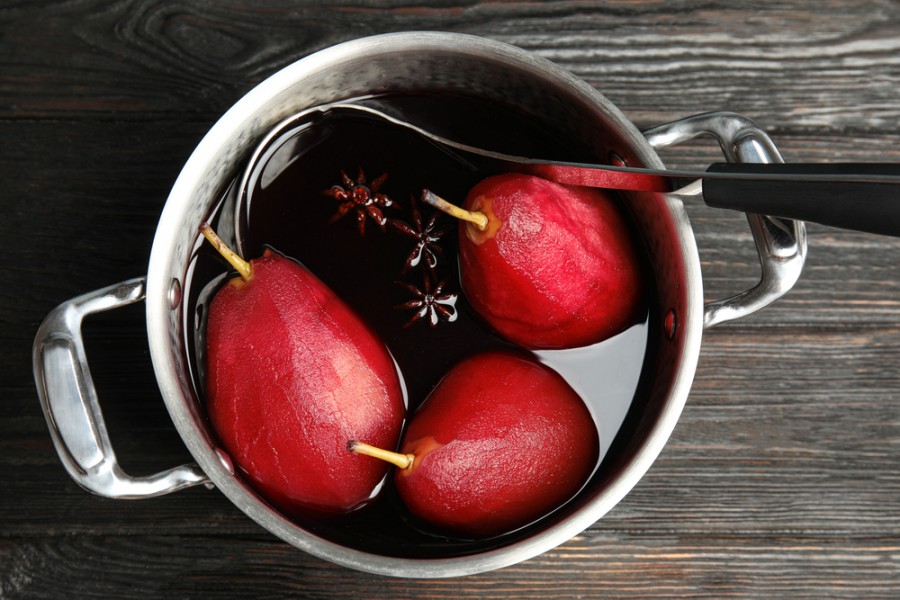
(781, 479)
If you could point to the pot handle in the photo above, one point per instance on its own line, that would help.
(69, 399)
(781, 243)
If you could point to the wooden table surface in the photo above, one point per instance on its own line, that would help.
(782, 478)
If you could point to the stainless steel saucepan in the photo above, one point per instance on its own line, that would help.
(412, 63)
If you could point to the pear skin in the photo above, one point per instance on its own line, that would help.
(292, 375)
(555, 266)
(501, 441)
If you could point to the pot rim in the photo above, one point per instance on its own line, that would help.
(171, 375)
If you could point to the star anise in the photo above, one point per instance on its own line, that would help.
(430, 304)
(426, 235)
(362, 197)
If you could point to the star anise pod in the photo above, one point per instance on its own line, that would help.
(426, 235)
(361, 197)
(431, 304)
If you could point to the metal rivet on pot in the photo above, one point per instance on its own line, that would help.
(174, 293)
(616, 160)
(670, 324)
(225, 460)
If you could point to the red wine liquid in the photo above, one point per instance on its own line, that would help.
(290, 208)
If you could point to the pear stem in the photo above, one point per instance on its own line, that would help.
(478, 218)
(404, 461)
(240, 265)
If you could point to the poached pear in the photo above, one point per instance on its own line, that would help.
(292, 374)
(547, 265)
(501, 441)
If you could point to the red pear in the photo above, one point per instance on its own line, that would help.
(501, 441)
(547, 265)
(292, 375)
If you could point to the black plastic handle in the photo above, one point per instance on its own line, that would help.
(858, 196)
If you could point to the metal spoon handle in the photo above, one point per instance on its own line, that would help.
(858, 196)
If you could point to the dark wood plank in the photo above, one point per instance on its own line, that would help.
(828, 66)
(653, 566)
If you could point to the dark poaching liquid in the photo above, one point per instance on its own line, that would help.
(288, 210)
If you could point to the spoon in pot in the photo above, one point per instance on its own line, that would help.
(858, 196)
